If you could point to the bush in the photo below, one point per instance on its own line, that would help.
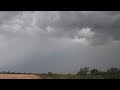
(83, 71)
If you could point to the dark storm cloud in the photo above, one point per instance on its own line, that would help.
(100, 21)
(68, 23)
(104, 22)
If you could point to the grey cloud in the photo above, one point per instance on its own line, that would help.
(43, 41)
(67, 23)
(103, 22)
(7, 15)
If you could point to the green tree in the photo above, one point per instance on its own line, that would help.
(83, 71)
(113, 70)
(50, 73)
(94, 72)
(3, 72)
(8, 72)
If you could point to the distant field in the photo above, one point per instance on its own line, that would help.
(19, 76)
(83, 73)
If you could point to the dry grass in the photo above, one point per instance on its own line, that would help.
(19, 76)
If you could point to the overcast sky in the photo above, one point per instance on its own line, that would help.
(59, 41)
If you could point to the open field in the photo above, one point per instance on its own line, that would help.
(83, 73)
(19, 76)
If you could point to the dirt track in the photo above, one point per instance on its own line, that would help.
(19, 76)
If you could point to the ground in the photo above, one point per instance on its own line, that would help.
(19, 76)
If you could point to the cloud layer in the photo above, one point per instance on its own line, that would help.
(58, 41)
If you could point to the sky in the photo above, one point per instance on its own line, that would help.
(59, 41)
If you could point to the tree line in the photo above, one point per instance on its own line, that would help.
(111, 73)
(10, 72)
(87, 73)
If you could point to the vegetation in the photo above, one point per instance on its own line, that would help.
(83, 73)
(86, 73)
(9, 72)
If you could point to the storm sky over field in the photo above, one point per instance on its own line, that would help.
(59, 41)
